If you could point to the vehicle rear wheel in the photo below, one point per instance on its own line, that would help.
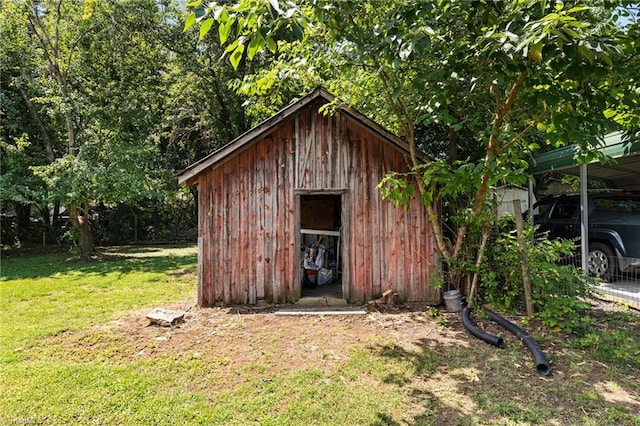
(602, 262)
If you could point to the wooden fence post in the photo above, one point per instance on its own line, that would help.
(522, 248)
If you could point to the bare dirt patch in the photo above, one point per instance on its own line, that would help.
(257, 335)
(245, 335)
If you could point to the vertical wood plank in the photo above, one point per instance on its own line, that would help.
(225, 270)
(410, 262)
(360, 225)
(221, 208)
(201, 239)
(244, 229)
(425, 252)
(290, 217)
(269, 212)
(234, 227)
(231, 229)
(211, 260)
(345, 249)
(331, 163)
(324, 166)
(309, 142)
(374, 178)
(297, 277)
(260, 221)
(276, 230)
(367, 247)
(393, 242)
(353, 221)
(341, 149)
(297, 147)
(416, 246)
(428, 255)
(282, 236)
(252, 225)
(236, 289)
(344, 155)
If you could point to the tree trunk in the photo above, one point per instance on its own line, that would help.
(135, 227)
(452, 154)
(82, 223)
(23, 219)
(55, 220)
(86, 239)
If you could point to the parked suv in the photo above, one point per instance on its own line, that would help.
(614, 227)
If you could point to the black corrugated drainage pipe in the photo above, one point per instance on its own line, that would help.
(542, 365)
(489, 338)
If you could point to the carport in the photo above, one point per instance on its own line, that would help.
(621, 171)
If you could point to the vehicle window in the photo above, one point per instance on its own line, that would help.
(565, 210)
(540, 212)
(617, 205)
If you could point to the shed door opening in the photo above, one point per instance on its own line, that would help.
(321, 245)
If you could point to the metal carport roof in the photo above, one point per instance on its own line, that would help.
(622, 172)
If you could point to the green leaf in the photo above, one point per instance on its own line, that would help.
(396, 93)
(224, 30)
(255, 46)
(232, 46)
(606, 59)
(191, 19)
(271, 44)
(236, 56)
(220, 14)
(579, 9)
(586, 53)
(297, 31)
(205, 27)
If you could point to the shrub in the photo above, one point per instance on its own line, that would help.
(560, 290)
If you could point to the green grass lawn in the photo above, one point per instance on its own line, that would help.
(75, 349)
(47, 294)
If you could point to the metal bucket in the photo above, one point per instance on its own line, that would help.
(453, 300)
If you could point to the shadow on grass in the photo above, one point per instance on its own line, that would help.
(134, 249)
(384, 420)
(613, 339)
(46, 265)
(462, 384)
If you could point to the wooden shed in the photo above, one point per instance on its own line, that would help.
(299, 181)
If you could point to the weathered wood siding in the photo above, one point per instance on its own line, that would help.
(246, 220)
(389, 247)
(247, 241)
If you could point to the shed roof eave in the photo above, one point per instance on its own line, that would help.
(252, 134)
(189, 175)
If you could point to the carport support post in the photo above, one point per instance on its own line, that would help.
(584, 219)
(531, 202)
